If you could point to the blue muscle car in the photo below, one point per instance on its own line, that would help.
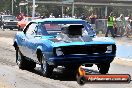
(67, 42)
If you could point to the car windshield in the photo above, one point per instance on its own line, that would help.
(9, 18)
(29, 19)
(54, 28)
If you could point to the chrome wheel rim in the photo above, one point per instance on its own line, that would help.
(44, 64)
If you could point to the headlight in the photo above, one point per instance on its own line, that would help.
(5, 23)
(59, 52)
(109, 49)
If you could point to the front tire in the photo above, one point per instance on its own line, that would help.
(47, 70)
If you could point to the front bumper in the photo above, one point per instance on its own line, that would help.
(10, 27)
(80, 59)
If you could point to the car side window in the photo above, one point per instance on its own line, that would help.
(31, 30)
(41, 30)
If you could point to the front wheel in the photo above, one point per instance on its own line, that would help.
(103, 68)
(47, 70)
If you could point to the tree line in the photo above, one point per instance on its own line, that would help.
(47, 9)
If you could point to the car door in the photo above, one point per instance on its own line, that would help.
(30, 44)
(0, 20)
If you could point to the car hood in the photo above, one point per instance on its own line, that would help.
(94, 40)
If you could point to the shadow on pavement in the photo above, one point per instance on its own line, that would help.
(62, 74)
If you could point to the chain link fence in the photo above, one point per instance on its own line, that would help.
(101, 27)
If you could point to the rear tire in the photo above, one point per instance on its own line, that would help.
(72, 70)
(20, 60)
(81, 80)
(104, 68)
(23, 63)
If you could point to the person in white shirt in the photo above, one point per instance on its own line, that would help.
(51, 16)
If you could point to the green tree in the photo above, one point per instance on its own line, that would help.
(6, 6)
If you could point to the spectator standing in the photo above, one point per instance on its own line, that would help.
(20, 16)
(75, 16)
(63, 15)
(122, 24)
(128, 28)
(51, 16)
(59, 16)
(110, 24)
(93, 20)
(83, 17)
(115, 27)
(129, 17)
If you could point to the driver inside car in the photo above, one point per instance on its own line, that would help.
(70, 33)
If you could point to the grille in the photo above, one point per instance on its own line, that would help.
(87, 49)
(11, 23)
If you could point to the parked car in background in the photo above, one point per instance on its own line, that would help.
(8, 22)
(21, 24)
(67, 42)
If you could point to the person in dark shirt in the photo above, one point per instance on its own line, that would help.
(83, 17)
(93, 20)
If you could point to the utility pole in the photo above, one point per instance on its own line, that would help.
(20, 9)
(106, 10)
(73, 8)
(33, 11)
(12, 6)
(27, 7)
(62, 10)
